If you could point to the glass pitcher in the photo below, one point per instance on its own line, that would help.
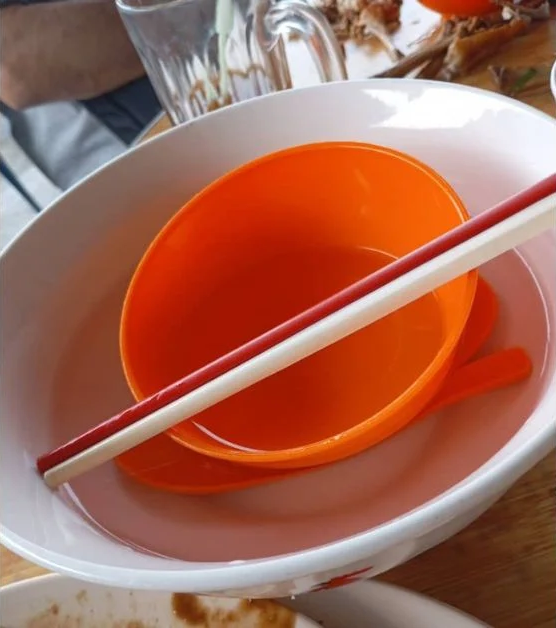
(201, 55)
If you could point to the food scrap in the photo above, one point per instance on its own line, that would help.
(452, 50)
(362, 21)
(460, 43)
(194, 611)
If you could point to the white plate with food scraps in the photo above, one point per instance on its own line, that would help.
(55, 601)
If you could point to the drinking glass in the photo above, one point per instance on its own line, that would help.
(201, 55)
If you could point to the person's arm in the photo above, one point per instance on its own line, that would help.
(67, 50)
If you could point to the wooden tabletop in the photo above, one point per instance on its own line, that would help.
(502, 568)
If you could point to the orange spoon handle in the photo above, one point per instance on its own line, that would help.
(481, 321)
(481, 376)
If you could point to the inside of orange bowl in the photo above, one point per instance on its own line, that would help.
(246, 254)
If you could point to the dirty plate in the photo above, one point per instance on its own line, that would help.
(56, 601)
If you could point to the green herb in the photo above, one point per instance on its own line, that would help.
(521, 82)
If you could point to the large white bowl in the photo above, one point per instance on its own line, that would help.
(63, 283)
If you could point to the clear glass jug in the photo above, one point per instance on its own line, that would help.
(201, 55)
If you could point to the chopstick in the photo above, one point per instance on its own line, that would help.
(454, 253)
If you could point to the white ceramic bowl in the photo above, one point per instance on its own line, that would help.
(58, 602)
(64, 280)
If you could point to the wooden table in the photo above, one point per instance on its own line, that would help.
(502, 568)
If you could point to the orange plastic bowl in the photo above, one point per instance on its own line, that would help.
(262, 244)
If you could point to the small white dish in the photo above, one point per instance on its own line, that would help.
(372, 604)
(53, 601)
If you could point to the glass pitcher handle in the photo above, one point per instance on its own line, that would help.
(286, 17)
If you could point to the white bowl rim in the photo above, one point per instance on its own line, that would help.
(553, 80)
(259, 572)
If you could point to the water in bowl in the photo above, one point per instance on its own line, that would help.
(368, 490)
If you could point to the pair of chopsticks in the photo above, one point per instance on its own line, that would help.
(456, 252)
